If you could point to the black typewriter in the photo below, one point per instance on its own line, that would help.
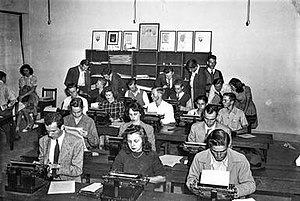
(215, 192)
(25, 177)
(122, 186)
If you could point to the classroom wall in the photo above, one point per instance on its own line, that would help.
(264, 55)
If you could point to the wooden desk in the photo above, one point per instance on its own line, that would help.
(11, 135)
(178, 135)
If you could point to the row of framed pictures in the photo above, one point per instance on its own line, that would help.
(149, 37)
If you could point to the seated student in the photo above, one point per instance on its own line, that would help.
(219, 156)
(78, 119)
(244, 100)
(211, 72)
(166, 80)
(160, 106)
(72, 92)
(201, 130)
(114, 81)
(200, 103)
(231, 116)
(136, 112)
(60, 150)
(7, 101)
(137, 94)
(217, 89)
(182, 96)
(111, 106)
(136, 156)
(97, 94)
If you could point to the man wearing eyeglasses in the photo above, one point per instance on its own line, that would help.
(200, 130)
(220, 157)
(61, 151)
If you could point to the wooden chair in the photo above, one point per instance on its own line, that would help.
(49, 98)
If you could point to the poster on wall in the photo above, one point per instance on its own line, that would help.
(130, 40)
(184, 41)
(167, 41)
(114, 40)
(203, 41)
(148, 36)
(98, 40)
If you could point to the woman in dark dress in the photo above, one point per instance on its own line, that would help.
(137, 157)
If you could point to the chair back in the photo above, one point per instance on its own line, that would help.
(50, 93)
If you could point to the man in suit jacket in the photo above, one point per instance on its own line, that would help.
(115, 82)
(166, 80)
(80, 75)
(62, 152)
(200, 130)
(211, 72)
(197, 78)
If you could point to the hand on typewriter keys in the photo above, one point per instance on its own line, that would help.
(52, 170)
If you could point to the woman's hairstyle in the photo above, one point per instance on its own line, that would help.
(237, 84)
(109, 89)
(136, 129)
(136, 107)
(26, 66)
(218, 81)
(218, 137)
(131, 81)
(102, 80)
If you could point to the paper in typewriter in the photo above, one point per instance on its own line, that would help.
(215, 177)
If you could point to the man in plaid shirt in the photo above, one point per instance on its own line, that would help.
(114, 108)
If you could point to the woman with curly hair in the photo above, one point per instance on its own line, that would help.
(28, 98)
(137, 157)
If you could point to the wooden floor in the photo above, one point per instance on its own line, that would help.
(278, 154)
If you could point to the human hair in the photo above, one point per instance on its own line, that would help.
(70, 86)
(85, 62)
(26, 66)
(2, 75)
(76, 102)
(106, 71)
(159, 90)
(109, 89)
(179, 82)
(54, 117)
(102, 80)
(209, 109)
(201, 97)
(212, 57)
(218, 137)
(191, 63)
(239, 86)
(146, 145)
(131, 81)
(218, 81)
(136, 107)
(168, 69)
(231, 96)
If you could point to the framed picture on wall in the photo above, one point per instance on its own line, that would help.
(167, 41)
(130, 40)
(184, 41)
(98, 40)
(148, 38)
(203, 41)
(114, 40)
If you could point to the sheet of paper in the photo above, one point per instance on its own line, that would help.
(215, 177)
(246, 199)
(60, 187)
(21, 106)
(95, 105)
(170, 160)
(247, 135)
(298, 161)
(76, 131)
(93, 187)
(50, 109)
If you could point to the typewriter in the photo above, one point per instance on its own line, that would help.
(25, 177)
(216, 192)
(113, 144)
(119, 186)
(193, 147)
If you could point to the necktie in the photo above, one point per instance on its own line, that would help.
(56, 152)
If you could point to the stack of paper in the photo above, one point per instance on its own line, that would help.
(170, 160)
(93, 187)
